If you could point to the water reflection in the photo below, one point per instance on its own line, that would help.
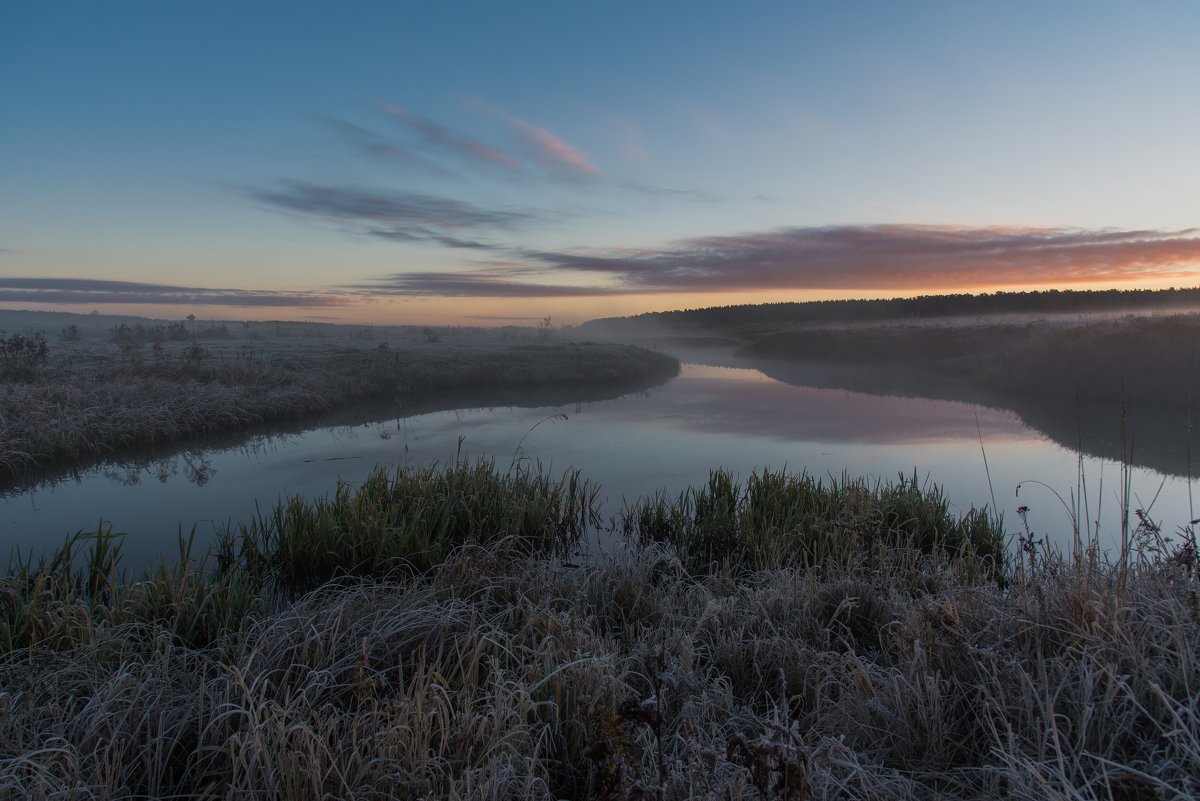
(193, 466)
(747, 402)
(1160, 436)
(666, 438)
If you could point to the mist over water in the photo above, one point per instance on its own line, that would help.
(664, 439)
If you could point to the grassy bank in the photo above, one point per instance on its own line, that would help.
(1092, 371)
(457, 656)
(100, 391)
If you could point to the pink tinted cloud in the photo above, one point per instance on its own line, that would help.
(552, 151)
(549, 150)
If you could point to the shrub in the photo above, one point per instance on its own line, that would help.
(22, 354)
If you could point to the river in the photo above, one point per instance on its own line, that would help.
(666, 438)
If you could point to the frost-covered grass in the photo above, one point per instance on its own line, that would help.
(501, 671)
(108, 390)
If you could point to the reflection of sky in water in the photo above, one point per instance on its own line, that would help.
(667, 438)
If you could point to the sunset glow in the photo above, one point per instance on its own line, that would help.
(476, 165)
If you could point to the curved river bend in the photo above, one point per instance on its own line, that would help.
(664, 439)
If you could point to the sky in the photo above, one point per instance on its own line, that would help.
(497, 163)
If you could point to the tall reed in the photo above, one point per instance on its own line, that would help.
(410, 520)
(780, 519)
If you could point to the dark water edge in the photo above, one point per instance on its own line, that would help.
(1158, 436)
(189, 454)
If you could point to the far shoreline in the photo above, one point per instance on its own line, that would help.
(90, 391)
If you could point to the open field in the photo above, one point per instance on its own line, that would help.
(830, 642)
(79, 388)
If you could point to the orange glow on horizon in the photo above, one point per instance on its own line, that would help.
(493, 312)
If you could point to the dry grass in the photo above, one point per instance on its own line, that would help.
(499, 674)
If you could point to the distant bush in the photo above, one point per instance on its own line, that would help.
(70, 333)
(139, 334)
(213, 331)
(194, 355)
(22, 354)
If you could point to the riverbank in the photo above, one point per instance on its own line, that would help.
(788, 639)
(98, 391)
(1098, 379)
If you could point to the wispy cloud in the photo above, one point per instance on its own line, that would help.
(377, 146)
(668, 193)
(471, 285)
(435, 134)
(399, 216)
(552, 152)
(629, 136)
(87, 291)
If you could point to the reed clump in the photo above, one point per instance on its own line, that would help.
(411, 520)
(505, 672)
(781, 519)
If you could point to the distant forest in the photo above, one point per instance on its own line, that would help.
(1051, 301)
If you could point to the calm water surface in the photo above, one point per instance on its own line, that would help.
(668, 438)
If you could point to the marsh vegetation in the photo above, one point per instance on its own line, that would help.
(110, 386)
(448, 650)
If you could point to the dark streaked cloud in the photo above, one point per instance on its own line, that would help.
(377, 146)
(867, 257)
(439, 136)
(669, 193)
(87, 291)
(892, 257)
(398, 216)
(471, 285)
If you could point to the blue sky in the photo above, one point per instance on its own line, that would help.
(453, 162)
